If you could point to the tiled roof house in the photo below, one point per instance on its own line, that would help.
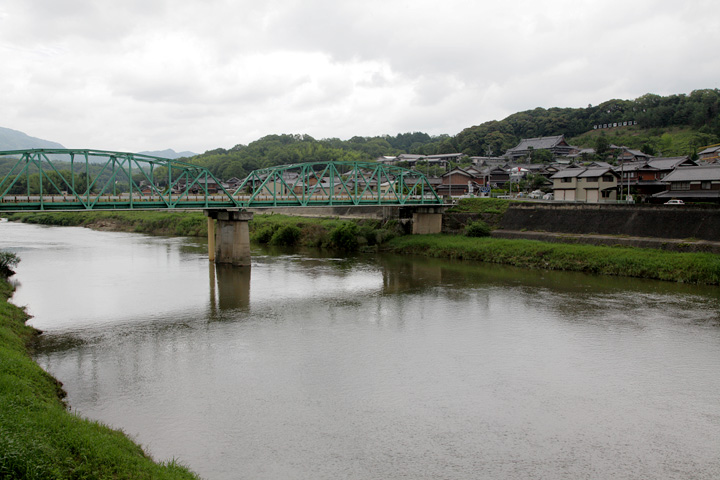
(557, 146)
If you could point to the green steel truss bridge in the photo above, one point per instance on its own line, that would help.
(63, 179)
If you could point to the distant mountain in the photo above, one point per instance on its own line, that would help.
(169, 153)
(14, 140)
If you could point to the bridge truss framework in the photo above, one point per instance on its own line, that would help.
(64, 179)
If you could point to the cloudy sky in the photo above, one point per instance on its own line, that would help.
(134, 75)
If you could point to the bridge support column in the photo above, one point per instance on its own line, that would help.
(232, 236)
(211, 238)
(427, 220)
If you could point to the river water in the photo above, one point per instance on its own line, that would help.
(312, 366)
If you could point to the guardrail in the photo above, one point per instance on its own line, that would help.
(49, 202)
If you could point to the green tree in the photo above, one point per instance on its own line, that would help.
(602, 146)
(648, 149)
(541, 156)
(8, 261)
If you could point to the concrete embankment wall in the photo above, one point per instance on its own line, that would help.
(661, 221)
(359, 212)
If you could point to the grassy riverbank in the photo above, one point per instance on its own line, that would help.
(184, 224)
(264, 228)
(700, 268)
(39, 438)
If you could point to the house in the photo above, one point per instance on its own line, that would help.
(644, 178)
(692, 183)
(597, 184)
(287, 183)
(196, 187)
(434, 182)
(409, 159)
(488, 162)
(457, 182)
(232, 184)
(581, 154)
(591, 185)
(565, 183)
(498, 177)
(388, 160)
(444, 158)
(710, 154)
(557, 146)
(630, 155)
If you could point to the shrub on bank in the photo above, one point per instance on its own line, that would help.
(264, 228)
(477, 229)
(345, 236)
(262, 234)
(8, 261)
(287, 235)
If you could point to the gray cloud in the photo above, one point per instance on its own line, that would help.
(196, 75)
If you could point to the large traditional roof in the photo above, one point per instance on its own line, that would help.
(540, 143)
(667, 163)
(694, 174)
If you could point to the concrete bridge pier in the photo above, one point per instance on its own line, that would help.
(427, 220)
(229, 242)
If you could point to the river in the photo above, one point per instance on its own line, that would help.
(314, 366)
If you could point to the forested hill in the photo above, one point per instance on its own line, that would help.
(674, 125)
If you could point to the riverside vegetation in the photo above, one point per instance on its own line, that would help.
(372, 235)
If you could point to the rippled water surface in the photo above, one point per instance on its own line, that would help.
(374, 367)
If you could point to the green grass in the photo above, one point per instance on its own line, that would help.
(675, 141)
(695, 268)
(39, 438)
(480, 205)
(188, 224)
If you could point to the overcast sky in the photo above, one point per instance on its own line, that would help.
(134, 75)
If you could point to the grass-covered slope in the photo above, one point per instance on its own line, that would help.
(700, 268)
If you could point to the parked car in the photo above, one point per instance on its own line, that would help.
(549, 196)
(536, 194)
(674, 202)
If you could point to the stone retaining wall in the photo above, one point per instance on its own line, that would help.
(657, 221)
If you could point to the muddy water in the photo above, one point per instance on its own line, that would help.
(313, 366)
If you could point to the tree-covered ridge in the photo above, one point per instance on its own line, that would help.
(286, 149)
(699, 111)
(695, 118)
